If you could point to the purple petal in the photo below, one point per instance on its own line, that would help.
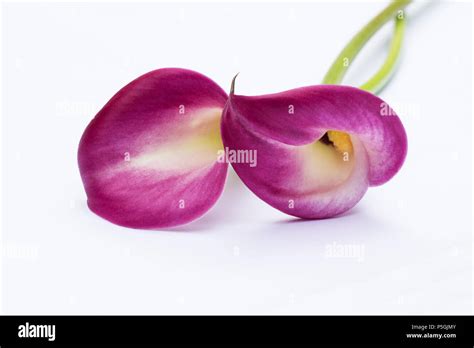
(297, 171)
(149, 158)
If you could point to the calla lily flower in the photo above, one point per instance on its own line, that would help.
(318, 148)
(148, 158)
(154, 155)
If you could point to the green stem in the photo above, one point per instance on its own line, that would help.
(343, 61)
(382, 76)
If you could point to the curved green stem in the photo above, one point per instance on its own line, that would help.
(382, 76)
(343, 61)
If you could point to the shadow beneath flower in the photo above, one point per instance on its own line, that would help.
(355, 225)
(224, 211)
(296, 220)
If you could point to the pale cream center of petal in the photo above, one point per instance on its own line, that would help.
(194, 144)
(326, 166)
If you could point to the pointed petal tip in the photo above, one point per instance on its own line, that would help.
(232, 85)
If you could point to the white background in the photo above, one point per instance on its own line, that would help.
(62, 62)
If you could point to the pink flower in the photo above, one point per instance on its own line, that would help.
(319, 148)
(149, 158)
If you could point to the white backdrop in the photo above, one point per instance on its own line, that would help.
(406, 246)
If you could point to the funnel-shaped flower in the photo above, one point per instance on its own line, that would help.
(149, 158)
(318, 148)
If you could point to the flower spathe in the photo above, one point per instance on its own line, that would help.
(319, 148)
(157, 153)
(148, 158)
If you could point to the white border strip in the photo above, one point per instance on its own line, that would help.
(472, 162)
(1, 158)
(216, 1)
(2, 2)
